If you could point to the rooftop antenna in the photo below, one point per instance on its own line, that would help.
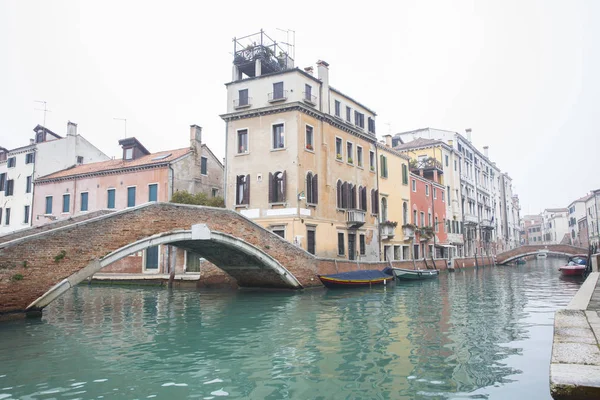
(125, 120)
(287, 41)
(45, 110)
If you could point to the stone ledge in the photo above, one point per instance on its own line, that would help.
(583, 296)
(574, 381)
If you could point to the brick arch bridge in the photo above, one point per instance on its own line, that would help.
(36, 268)
(530, 250)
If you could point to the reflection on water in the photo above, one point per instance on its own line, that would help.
(483, 333)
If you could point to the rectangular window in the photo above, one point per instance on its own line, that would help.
(12, 161)
(151, 261)
(278, 136)
(434, 193)
(243, 98)
(341, 246)
(426, 190)
(29, 158)
(349, 152)
(28, 184)
(372, 160)
(110, 198)
(26, 215)
(204, 165)
(446, 160)
(129, 153)
(362, 245)
(153, 192)
(84, 201)
(279, 231)
(2, 181)
(338, 149)
(10, 187)
(443, 196)
(278, 92)
(404, 174)
(415, 221)
(351, 246)
(7, 217)
(308, 93)
(359, 119)
(242, 140)
(309, 138)
(215, 192)
(131, 196)
(48, 205)
(310, 240)
(371, 125)
(66, 203)
(337, 109)
(359, 156)
(348, 114)
(383, 166)
(422, 218)
(79, 159)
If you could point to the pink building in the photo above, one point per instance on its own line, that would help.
(136, 178)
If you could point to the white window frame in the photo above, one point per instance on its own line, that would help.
(342, 149)
(372, 162)
(88, 203)
(157, 189)
(62, 203)
(284, 137)
(349, 155)
(280, 227)
(237, 132)
(427, 190)
(313, 138)
(151, 271)
(127, 196)
(206, 158)
(362, 152)
(414, 185)
(129, 150)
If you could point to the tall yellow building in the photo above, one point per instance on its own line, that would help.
(301, 156)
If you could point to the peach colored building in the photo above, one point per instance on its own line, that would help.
(136, 178)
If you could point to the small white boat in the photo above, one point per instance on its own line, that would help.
(542, 254)
(415, 274)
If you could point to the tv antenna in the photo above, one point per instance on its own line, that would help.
(287, 41)
(45, 110)
(125, 120)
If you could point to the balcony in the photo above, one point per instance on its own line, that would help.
(409, 231)
(471, 219)
(242, 103)
(388, 230)
(487, 224)
(275, 97)
(427, 164)
(355, 218)
(309, 98)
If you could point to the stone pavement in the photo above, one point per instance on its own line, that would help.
(575, 364)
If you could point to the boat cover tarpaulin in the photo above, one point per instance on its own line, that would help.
(368, 274)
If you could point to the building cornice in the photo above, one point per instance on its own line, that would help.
(107, 172)
(393, 151)
(299, 106)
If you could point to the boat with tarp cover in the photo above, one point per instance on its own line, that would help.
(354, 279)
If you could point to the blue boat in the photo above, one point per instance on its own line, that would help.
(357, 278)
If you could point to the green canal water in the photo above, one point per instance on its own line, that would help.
(482, 334)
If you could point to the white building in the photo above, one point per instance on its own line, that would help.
(577, 211)
(555, 225)
(591, 206)
(45, 154)
(510, 227)
(479, 181)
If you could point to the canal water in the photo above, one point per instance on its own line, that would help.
(480, 333)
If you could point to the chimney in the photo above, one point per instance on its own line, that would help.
(388, 140)
(309, 70)
(71, 129)
(195, 137)
(468, 130)
(486, 151)
(31, 141)
(323, 74)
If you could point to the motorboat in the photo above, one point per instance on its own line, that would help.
(415, 274)
(352, 279)
(542, 254)
(576, 266)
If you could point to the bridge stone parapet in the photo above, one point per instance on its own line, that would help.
(523, 251)
(59, 258)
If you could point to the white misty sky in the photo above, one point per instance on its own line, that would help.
(522, 74)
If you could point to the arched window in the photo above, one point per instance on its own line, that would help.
(242, 195)
(436, 224)
(404, 213)
(363, 196)
(277, 183)
(384, 209)
(312, 188)
(352, 200)
(345, 195)
(339, 194)
(375, 201)
(415, 221)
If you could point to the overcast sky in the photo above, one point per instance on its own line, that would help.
(524, 75)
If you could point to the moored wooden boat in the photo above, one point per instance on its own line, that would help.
(415, 274)
(576, 266)
(353, 279)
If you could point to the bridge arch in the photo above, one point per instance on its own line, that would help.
(530, 250)
(196, 239)
(38, 265)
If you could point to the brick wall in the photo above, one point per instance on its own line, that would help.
(558, 248)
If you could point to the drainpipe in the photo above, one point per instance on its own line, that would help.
(31, 213)
(170, 248)
(225, 163)
(377, 181)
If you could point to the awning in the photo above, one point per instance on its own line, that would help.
(445, 245)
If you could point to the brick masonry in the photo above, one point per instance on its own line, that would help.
(556, 248)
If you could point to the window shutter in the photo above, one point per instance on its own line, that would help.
(353, 194)
(315, 189)
(345, 195)
(377, 201)
(339, 194)
(309, 188)
(364, 196)
(247, 190)
(283, 189)
(271, 197)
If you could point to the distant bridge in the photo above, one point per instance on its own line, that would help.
(38, 265)
(530, 250)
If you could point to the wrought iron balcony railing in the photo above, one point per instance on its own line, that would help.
(242, 102)
(427, 163)
(278, 96)
(309, 98)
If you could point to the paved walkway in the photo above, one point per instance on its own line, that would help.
(575, 364)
